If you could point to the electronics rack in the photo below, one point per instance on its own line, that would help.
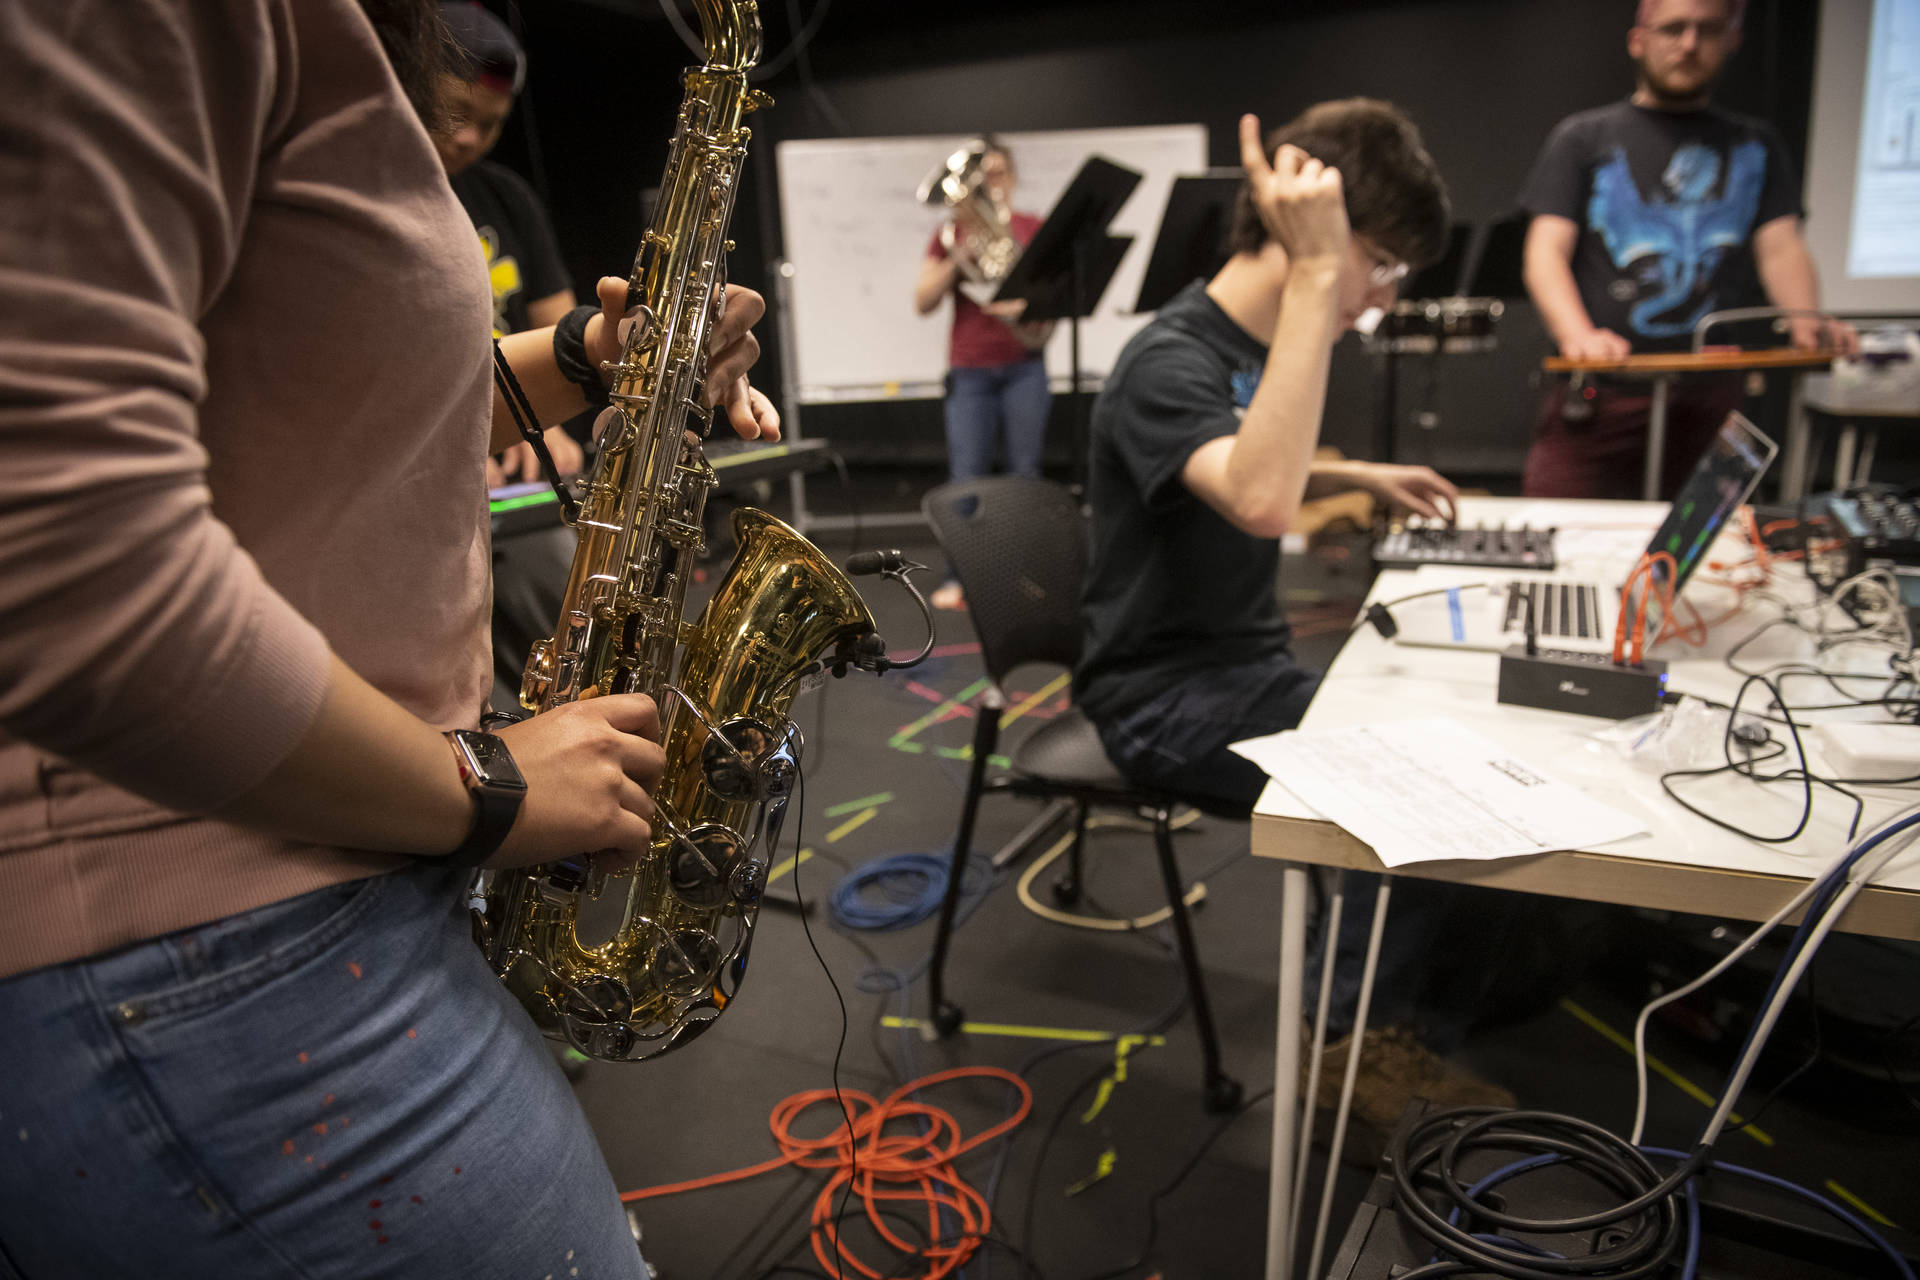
(1480, 547)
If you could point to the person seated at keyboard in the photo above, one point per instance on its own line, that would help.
(1202, 452)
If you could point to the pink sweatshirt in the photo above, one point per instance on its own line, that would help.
(244, 404)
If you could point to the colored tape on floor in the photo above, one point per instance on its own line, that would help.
(956, 703)
(895, 1022)
(854, 806)
(857, 820)
(787, 864)
(1047, 691)
(1861, 1205)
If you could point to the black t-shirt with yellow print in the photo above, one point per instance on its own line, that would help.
(523, 256)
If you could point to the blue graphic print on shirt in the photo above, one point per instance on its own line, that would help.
(1677, 242)
(1246, 380)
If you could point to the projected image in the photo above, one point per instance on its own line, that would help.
(1887, 199)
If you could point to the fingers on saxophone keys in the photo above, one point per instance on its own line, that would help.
(639, 315)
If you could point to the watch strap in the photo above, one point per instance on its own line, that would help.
(494, 810)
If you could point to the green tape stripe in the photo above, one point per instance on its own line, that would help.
(957, 701)
(854, 806)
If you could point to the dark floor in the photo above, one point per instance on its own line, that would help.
(1074, 1194)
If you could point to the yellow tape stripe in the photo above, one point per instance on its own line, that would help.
(895, 1022)
(787, 864)
(858, 819)
(1661, 1069)
(1052, 687)
(1861, 1205)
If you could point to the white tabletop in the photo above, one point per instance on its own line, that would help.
(1374, 680)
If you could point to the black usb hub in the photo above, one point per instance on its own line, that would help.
(1587, 684)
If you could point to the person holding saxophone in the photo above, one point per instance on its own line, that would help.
(247, 404)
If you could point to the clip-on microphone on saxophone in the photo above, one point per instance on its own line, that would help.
(872, 650)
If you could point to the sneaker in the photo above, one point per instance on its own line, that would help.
(948, 595)
(1395, 1068)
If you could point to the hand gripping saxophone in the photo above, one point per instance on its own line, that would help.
(629, 963)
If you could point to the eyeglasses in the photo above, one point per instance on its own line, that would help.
(1705, 29)
(1384, 273)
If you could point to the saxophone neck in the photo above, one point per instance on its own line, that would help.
(731, 29)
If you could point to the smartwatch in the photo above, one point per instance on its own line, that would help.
(494, 782)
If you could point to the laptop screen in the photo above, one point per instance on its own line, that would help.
(1723, 478)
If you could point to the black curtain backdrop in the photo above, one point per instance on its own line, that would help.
(1484, 79)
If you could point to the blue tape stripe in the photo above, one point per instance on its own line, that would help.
(1454, 616)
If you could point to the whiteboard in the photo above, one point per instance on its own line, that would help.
(855, 237)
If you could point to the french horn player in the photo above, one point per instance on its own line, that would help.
(997, 396)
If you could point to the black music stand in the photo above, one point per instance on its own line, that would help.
(1068, 265)
(1192, 243)
(1496, 272)
(1442, 279)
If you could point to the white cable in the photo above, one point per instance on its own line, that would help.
(1023, 889)
(1857, 879)
(1640, 1025)
(1752, 940)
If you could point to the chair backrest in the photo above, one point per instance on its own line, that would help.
(1018, 546)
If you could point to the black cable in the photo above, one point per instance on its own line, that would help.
(1046, 1141)
(805, 66)
(1435, 1145)
(1780, 1086)
(1887, 1042)
(983, 1238)
(801, 38)
(1193, 1162)
(1803, 775)
(1157, 1026)
(856, 541)
(799, 825)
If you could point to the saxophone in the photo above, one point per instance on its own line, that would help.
(625, 964)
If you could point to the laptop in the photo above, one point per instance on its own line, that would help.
(1576, 611)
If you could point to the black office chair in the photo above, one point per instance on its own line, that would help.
(1018, 546)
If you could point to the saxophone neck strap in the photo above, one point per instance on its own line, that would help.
(523, 417)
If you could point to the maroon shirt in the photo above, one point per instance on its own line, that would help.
(979, 341)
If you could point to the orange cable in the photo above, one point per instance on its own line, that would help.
(882, 1167)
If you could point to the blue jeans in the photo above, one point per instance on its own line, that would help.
(1178, 739)
(331, 1086)
(1004, 405)
(1444, 945)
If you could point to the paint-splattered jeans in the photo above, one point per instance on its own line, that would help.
(332, 1086)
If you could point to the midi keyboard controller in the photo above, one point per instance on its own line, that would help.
(1480, 547)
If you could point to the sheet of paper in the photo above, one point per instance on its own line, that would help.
(1420, 790)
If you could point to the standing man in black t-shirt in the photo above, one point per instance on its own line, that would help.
(1202, 451)
(530, 285)
(1647, 215)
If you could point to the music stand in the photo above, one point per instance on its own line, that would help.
(1192, 243)
(1441, 279)
(1068, 265)
(1497, 272)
